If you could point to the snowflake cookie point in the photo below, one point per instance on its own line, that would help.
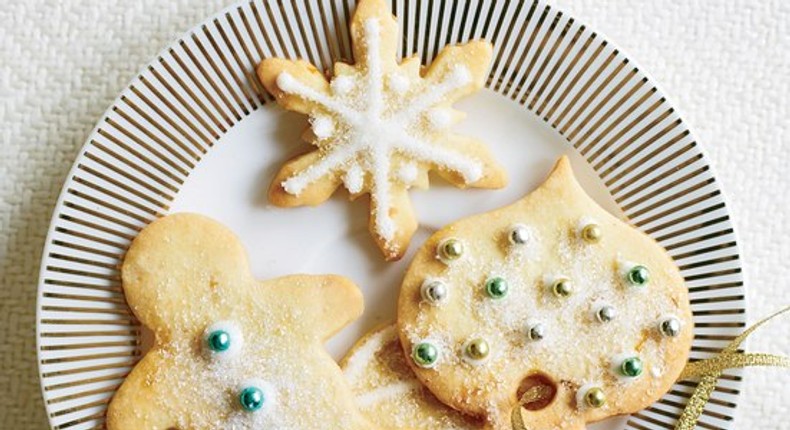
(286, 82)
(323, 126)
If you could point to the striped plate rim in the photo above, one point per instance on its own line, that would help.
(156, 132)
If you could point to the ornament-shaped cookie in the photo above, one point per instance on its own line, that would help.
(549, 312)
(387, 391)
(230, 352)
(380, 126)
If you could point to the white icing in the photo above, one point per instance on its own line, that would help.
(398, 83)
(440, 118)
(656, 371)
(323, 126)
(408, 173)
(291, 85)
(236, 340)
(372, 133)
(342, 85)
(363, 355)
(623, 267)
(390, 391)
(354, 179)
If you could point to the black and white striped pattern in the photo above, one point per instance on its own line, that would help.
(144, 148)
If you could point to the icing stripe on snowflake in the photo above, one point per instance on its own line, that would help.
(360, 135)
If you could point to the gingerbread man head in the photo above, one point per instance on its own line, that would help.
(230, 352)
(551, 293)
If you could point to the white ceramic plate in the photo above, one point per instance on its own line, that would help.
(193, 132)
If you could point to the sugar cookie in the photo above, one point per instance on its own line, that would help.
(387, 391)
(380, 126)
(550, 293)
(230, 352)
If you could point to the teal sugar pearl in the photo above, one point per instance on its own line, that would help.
(631, 367)
(496, 288)
(218, 341)
(425, 354)
(251, 399)
(639, 276)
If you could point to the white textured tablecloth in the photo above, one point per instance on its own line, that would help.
(726, 65)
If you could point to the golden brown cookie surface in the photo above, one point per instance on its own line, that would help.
(230, 352)
(380, 126)
(550, 291)
(388, 392)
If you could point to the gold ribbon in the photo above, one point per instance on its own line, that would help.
(533, 394)
(708, 370)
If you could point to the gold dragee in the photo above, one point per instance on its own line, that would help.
(708, 370)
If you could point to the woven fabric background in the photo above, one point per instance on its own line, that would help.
(725, 63)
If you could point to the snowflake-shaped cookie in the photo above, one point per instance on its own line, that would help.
(230, 352)
(380, 126)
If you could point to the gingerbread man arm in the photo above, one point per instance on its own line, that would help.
(325, 303)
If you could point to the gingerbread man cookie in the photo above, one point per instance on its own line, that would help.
(554, 293)
(380, 126)
(387, 391)
(230, 352)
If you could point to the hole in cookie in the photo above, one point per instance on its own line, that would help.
(536, 392)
